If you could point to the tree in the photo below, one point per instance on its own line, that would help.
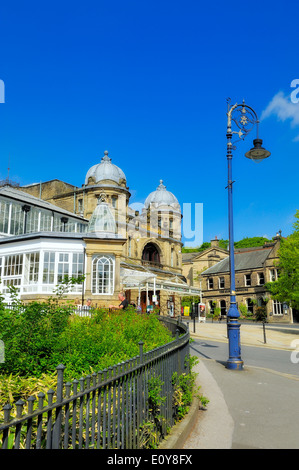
(286, 288)
(251, 242)
(244, 243)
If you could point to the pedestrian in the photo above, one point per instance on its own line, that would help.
(123, 302)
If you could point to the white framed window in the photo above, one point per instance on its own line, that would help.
(16, 219)
(77, 265)
(103, 275)
(63, 266)
(273, 275)
(221, 282)
(49, 267)
(31, 272)
(32, 224)
(247, 279)
(4, 215)
(210, 283)
(12, 271)
(277, 308)
(32, 261)
(45, 221)
(39, 270)
(58, 265)
(260, 279)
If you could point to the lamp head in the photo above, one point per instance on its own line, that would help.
(257, 153)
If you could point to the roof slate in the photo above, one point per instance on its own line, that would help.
(243, 260)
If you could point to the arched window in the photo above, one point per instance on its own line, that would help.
(150, 254)
(103, 275)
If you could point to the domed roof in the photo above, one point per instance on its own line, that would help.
(105, 171)
(161, 197)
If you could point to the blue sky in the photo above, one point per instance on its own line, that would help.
(148, 81)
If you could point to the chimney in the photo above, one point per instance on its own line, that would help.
(215, 242)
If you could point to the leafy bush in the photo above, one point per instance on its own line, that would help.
(39, 336)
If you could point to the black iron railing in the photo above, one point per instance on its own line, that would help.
(106, 410)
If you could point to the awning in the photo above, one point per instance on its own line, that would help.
(130, 278)
(135, 279)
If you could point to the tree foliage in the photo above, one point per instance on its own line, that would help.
(246, 242)
(251, 242)
(286, 288)
(39, 336)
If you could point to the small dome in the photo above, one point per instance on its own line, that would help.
(105, 171)
(161, 197)
(102, 219)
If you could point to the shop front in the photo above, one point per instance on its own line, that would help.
(150, 292)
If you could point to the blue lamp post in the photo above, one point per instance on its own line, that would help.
(244, 117)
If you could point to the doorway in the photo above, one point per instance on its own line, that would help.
(295, 315)
(143, 302)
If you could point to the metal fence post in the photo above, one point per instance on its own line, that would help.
(59, 396)
(110, 411)
(139, 393)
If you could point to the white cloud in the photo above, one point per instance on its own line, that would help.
(283, 108)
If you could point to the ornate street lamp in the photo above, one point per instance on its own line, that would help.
(245, 118)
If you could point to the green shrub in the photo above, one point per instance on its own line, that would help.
(39, 336)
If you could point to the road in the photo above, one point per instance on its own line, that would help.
(273, 359)
(261, 400)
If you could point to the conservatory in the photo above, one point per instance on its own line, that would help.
(22, 213)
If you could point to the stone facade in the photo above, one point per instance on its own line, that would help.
(254, 267)
(145, 243)
(195, 263)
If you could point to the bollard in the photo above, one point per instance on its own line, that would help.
(264, 331)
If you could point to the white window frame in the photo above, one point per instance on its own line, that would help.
(247, 280)
(277, 308)
(272, 274)
(97, 285)
(14, 275)
(31, 271)
(64, 258)
(259, 278)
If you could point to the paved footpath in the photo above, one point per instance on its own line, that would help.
(280, 337)
(249, 409)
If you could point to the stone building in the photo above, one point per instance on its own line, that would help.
(53, 229)
(254, 267)
(195, 263)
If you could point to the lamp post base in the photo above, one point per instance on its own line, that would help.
(234, 365)
(234, 361)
